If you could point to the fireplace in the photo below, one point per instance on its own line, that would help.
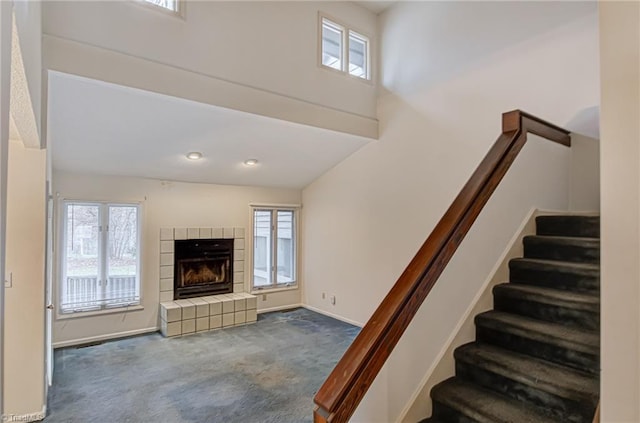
(202, 267)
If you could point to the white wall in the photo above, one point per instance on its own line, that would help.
(450, 69)
(620, 224)
(585, 173)
(24, 313)
(465, 330)
(267, 50)
(165, 204)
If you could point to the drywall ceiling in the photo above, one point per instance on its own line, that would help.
(102, 128)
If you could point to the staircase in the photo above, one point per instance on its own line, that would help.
(536, 355)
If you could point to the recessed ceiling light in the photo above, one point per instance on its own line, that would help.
(251, 162)
(194, 155)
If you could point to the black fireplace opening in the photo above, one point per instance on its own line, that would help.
(202, 267)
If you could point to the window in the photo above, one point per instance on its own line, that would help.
(274, 248)
(332, 35)
(344, 50)
(100, 256)
(171, 5)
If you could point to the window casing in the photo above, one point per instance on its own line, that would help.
(274, 259)
(344, 49)
(100, 256)
(170, 5)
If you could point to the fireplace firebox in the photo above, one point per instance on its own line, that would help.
(202, 267)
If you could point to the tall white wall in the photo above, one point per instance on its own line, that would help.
(620, 224)
(238, 53)
(24, 350)
(585, 173)
(449, 69)
(165, 205)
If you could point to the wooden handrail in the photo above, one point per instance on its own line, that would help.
(349, 381)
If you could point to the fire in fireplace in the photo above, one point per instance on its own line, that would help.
(202, 267)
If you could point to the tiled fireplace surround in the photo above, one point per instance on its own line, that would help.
(191, 315)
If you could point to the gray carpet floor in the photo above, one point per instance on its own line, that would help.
(265, 372)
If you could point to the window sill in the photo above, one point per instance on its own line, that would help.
(368, 81)
(272, 290)
(80, 314)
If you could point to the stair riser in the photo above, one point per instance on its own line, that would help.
(563, 409)
(550, 313)
(443, 413)
(582, 281)
(550, 251)
(568, 226)
(556, 354)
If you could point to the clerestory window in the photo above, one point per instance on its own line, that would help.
(344, 49)
(171, 5)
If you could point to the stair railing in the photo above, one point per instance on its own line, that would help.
(349, 381)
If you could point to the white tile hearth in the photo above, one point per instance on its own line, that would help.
(202, 307)
(171, 312)
(187, 316)
(188, 326)
(202, 324)
(188, 309)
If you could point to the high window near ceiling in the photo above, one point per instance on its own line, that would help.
(100, 260)
(274, 248)
(344, 49)
(170, 5)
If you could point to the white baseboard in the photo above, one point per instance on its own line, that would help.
(546, 212)
(279, 308)
(99, 338)
(335, 316)
(314, 309)
(29, 417)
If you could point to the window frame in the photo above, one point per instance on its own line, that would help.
(179, 13)
(274, 286)
(103, 246)
(347, 30)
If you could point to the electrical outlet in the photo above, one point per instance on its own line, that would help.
(333, 300)
(264, 297)
(8, 283)
(324, 295)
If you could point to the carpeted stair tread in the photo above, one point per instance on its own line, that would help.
(559, 297)
(562, 248)
(558, 265)
(569, 308)
(555, 273)
(576, 339)
(578, 226)
(483, 406)
(537, 374)
(577, 309)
